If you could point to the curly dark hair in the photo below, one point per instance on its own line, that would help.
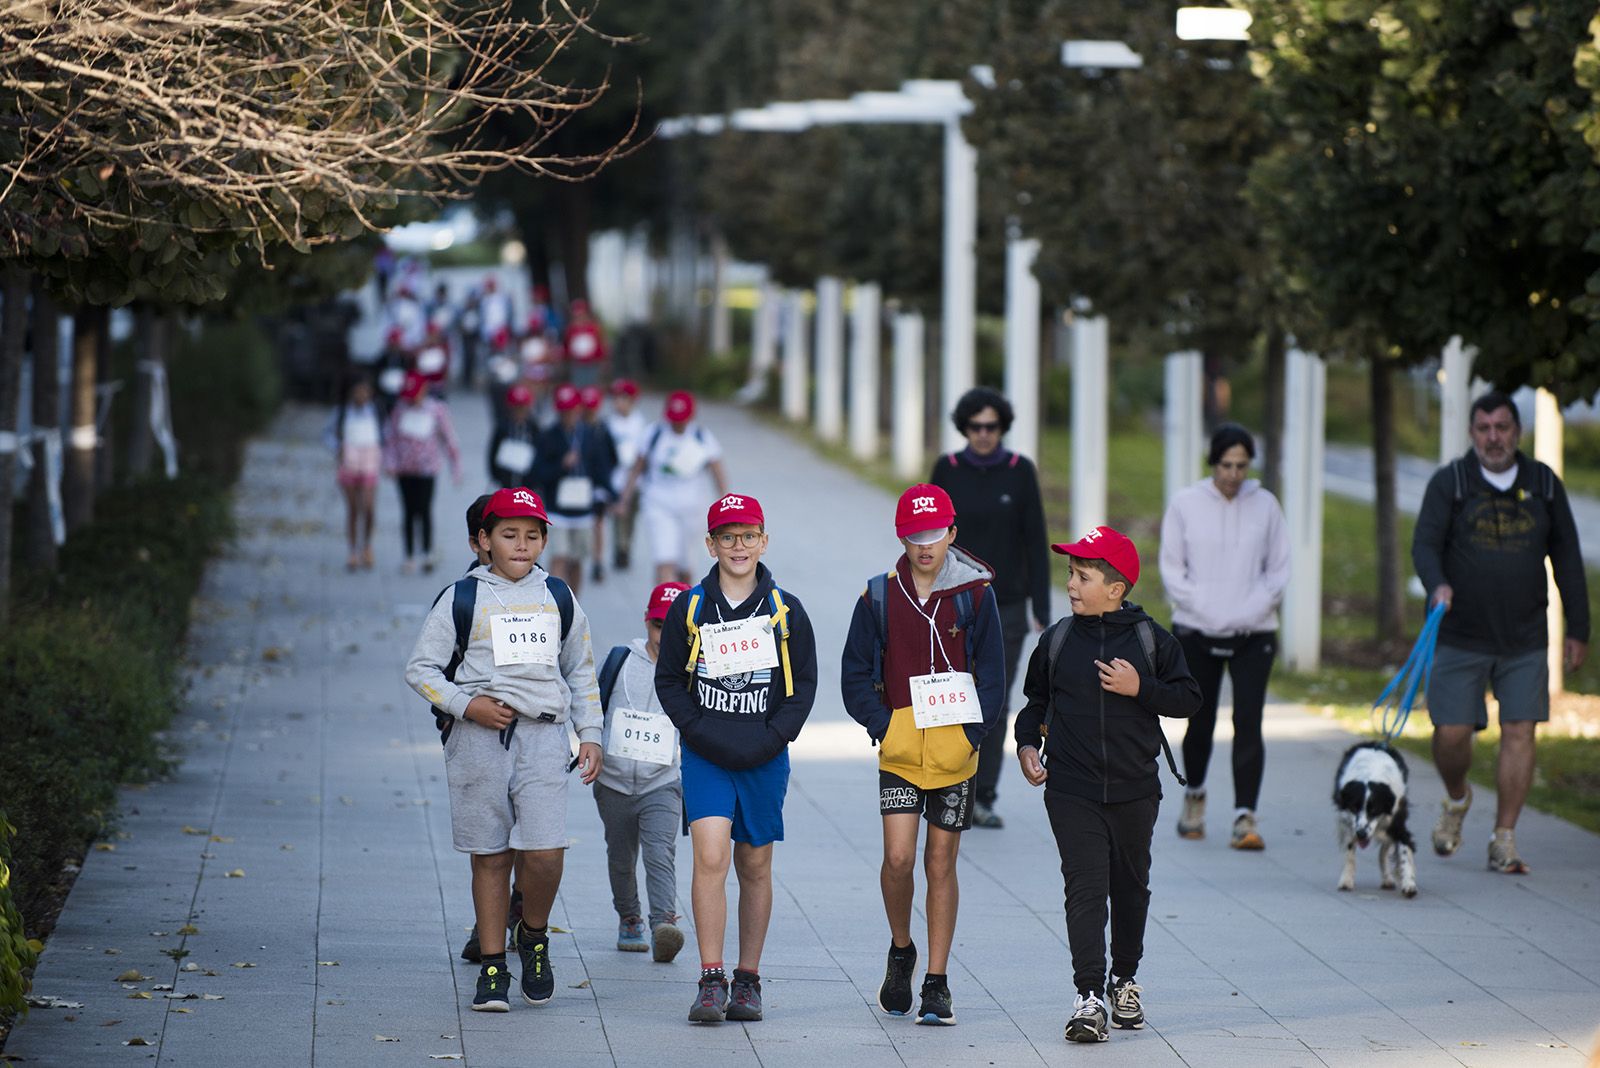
(1226, 437)
(976, 400)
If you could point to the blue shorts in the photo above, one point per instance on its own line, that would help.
(752, 798)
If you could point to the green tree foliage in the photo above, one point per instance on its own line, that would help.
(17, 951)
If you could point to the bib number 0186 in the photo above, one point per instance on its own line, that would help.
(526, 638)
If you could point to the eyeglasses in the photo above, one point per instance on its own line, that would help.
(982, 428)
(749, 538)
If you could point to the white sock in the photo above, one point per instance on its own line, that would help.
(1243, 812)
(1196, 792)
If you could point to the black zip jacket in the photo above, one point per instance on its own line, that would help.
(1104, 746)
(1000, 519)
(739, 721)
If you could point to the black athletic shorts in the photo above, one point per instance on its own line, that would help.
(946, 807)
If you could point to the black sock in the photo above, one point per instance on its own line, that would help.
(752, 975)
(530, 936)
(494, 958)
(937, 978)
(907, 950)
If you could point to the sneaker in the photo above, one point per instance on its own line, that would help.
(471, 951)
(538, 981)
(1088, 1020)
(493, 985)
(711, 1002)
(367, 559)
(429, 562)
(1503, 856)
(894, 996)
(1447, 831)
(597, 572)
(936, 1008)
(1126, 1012)
(744, 1000)
(408, 566)
(1245, 834)
(984, 815)
(665, 941)
(630, 935)
(1192, 824)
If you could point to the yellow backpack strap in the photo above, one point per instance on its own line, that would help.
(780, 623)
(694, 634)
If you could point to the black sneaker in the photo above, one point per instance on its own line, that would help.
(494, 983)
(1123, 994)
(984, 815)
(598, 572)
(894, 996)
(744, 1000)
(1088, 1020)
(538, 981)
(711, 1003)
(472, 951)
(936, 1007)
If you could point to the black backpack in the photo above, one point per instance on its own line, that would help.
(878, 597)
(608, 674)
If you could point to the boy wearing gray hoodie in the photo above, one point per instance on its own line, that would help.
(518, 682)
(640, 791)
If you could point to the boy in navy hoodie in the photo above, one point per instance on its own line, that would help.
(737, 675)
(1096, 682)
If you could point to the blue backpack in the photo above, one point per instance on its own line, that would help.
(609, 671)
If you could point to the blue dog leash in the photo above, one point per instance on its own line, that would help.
(1395, 700)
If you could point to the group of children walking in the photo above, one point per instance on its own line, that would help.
(689, 726)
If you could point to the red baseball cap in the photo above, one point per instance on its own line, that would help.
(735, 508)
(414, 386)
(567, 397)
(518, 503)
(661, 599)
(624, 387)
(591, 397)
(519, 396)
(394, 337)
(923, 507)
(680, 406)
(1112, 546)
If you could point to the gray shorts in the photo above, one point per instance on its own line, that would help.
(503, 798)
(1460, 677)
(572, 537)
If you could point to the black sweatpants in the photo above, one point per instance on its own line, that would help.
(1248, 660)
(1105, 857)
(1015, 627)
(416, 512)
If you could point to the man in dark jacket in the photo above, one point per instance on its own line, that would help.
(1094, 712)
(1487, 523)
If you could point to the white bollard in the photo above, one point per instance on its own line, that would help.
(1455, 396)
(721, 313)
(1183, 421)
(908, 395)
(763, 342)
(1091, 373)
(830, 359)
(1304, 413)
(960, 304)
(865, 314)
(1549, 448)
(1022, 344)
(796, 372)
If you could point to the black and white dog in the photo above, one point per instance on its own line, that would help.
(1369, 792)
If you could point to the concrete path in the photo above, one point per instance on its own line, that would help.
(293, 889)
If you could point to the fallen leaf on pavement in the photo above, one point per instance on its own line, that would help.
(580, 986)
(237, 873)
(111, 1023)
(132, 975)
(221, 838)
(192, 830)
(50, 1001)
(159, 987)
(188, 929)
(105, 847)
(328, 963)
(175, 954)
(183, 997)
(139, 995)
(112, 952)
(185, 1011)
(558, 930)
(137, 1040)
(210, 997)
(384, 1038)
(243, 964)
(445, 1056)
(190, 967)
(273, 653)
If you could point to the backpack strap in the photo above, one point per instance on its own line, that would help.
(952, 458)
(1457, 468)
(1015, 457)
(780, 623)
(697, 597)
(1147, 644)
(463, 603)
(561, 593)
(1053, 639)
(878, 600)
(609, 672)
(966, 619)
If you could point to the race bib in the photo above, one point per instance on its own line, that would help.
(737, 647)
(513, 455)
(646, 736)
(526, 638)
(945, 698)
(361, 433)
(583, 346)
(418, 423)
(431, 361)
(533, 349)
(688, 458)
(391, 380)
(575, 494)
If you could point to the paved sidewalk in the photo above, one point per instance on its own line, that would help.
(305, 841)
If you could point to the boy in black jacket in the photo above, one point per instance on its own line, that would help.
(1100, 683)
(736, 675)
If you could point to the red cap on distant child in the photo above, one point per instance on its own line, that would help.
(624, 387)
(661, 599)
(519, 396)
(923, 508)
(414, 385)
(735, 508)
(591, 397)
(567, 398)
(680, 406)
(518, 503)
(1112, 546)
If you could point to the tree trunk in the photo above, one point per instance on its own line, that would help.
(152, 326)
(1391, 605)
(1218, 400)
(574, 228)
(88, 329)
(41, 539)
(104, 461)
(1272, 413)
(531, 225)
(13, 330)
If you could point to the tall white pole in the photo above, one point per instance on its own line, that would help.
(1022, 343)
(960, 304)
(1455, 396)
(865, 313)
(796, 373)
(721, 314)
(1304, 412)
(1549, 440)
(830, 359)
(1184, 420)
(909, 380)
(1091, 372)
(763, 342)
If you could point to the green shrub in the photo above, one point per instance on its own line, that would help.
(17, 951)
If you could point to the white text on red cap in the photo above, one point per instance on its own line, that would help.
(522, 496)
(921, 505)
(730, 502)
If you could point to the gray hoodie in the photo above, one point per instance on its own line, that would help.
(636, 689)
(567, 691)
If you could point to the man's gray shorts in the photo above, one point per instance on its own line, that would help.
(1521, 684)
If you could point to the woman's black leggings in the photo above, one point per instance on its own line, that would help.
(1248, 661)
(416, 515)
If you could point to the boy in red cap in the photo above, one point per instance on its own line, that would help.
(737, 676)
(628, 428)
(1096, 682)
(573, 458)
(514, 445)
(638, 793)
(670, 472)
(525, 670)
(924, 671)
(603, 469)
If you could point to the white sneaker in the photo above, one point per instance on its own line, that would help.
(1447, 832)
